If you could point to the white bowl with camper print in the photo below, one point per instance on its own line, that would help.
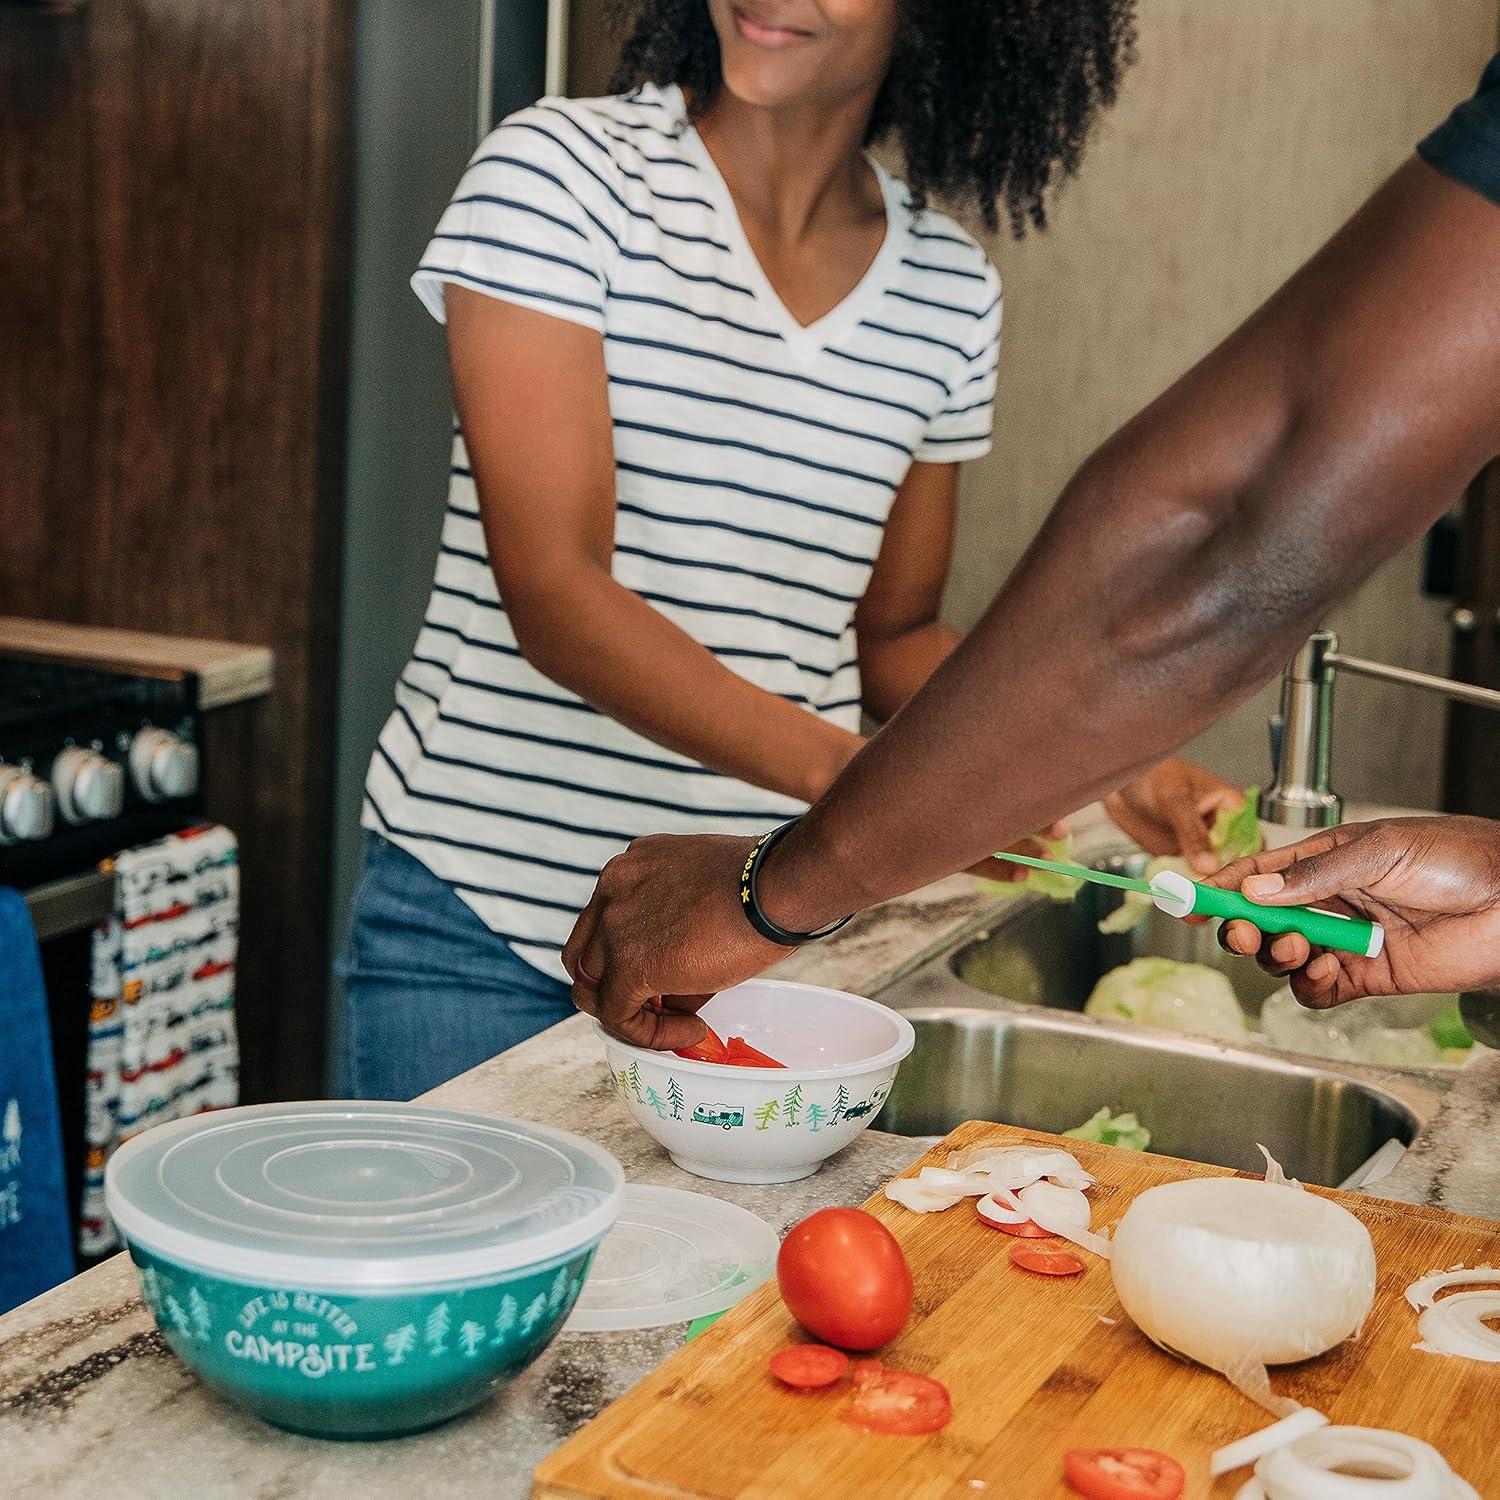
(737, 1124)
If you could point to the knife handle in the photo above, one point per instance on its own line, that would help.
(1180, 897)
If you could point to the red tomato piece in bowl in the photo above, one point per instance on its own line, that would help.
(742, 1055)
(710, 1050)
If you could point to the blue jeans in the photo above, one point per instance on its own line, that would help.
(429, 990)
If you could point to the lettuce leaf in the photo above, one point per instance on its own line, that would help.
(1110, 1129)
(1236, 834)
(1040, 882)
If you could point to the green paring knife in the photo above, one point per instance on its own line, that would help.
(1180, 897)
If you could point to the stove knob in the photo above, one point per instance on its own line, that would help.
(90, 787)
(25, 806)
(162, 766)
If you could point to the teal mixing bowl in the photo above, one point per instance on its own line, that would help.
(354, 1270)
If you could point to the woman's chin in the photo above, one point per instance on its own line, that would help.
(765, 85)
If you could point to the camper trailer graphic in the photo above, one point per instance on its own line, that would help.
(726, 1116)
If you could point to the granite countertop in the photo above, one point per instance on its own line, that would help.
(91, 1399)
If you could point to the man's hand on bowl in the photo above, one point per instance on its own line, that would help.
(661, 935)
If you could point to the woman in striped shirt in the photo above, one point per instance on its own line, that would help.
(715, 372)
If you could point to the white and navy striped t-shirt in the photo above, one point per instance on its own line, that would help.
(756, 461)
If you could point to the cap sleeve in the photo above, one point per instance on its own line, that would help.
(535, 220)
(961, 430)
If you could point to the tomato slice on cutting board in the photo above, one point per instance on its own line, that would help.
(809, 1366)
(1045, 1260)
(897, 1402)
(1123, 1474)
(1026, 1231)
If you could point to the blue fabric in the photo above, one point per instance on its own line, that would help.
(36, 1243)
(1466, 146)
(429, 990)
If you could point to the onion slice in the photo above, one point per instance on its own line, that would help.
(910, 1193)
(1065, 1212)
(1456, 1325)
(1246, 1450)
(969, 1184)
(1002, 1207)
(1424, 1293)
(1019, 1166)
(1340, 1463)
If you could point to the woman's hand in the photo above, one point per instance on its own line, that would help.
(1171, 808)
(1432, 883)
(1003, 871)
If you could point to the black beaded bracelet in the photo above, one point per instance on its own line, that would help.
(750, 897)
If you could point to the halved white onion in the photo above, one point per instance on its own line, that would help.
(1238, 1274)
(1347, 1463)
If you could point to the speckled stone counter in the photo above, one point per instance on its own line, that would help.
(92, 1402)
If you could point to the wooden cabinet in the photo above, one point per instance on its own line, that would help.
(173, 182)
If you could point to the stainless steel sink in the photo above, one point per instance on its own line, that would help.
(1200, 1100)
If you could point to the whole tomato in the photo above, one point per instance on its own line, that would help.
(843, 1277)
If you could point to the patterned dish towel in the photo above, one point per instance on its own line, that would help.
(161, 1031)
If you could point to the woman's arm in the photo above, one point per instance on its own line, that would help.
(901, 640)
(532, 394)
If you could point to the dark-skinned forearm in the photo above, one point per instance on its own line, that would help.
(1189, 555)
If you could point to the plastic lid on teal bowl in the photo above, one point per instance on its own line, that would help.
(353, 1195)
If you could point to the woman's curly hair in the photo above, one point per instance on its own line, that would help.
(990, 102)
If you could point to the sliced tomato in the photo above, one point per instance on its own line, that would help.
(742, 1055)
(808, 1366)
(1023, 1231)
(901, 1403)
(1123, 1474)
(865, 1372)
(1045, 1260)
(711, 1049)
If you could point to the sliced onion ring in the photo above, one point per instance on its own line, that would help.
(1390, 1466)
(1245, 1450)
(1063, 1211)
(1002, 1207)
(1424, 1293)
(1456, 1325)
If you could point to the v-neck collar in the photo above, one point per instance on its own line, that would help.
(802, 340)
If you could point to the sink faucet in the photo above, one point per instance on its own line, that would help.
(1302, 732)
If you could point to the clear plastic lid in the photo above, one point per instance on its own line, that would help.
(673, 1257)
(360, 1195)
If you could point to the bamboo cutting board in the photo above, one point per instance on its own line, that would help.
(1035, 1367)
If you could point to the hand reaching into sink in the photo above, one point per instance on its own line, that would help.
(1171, 808)
(1434, 883)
